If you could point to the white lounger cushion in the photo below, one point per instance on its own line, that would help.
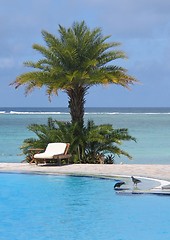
(51, 150)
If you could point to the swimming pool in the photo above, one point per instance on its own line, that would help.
(47, 207)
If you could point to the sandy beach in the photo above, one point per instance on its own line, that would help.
(161, 172)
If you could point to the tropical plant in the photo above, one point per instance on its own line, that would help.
(97, 144)
(54, 131)
(44, 134)
(73, 62)
(103, 141)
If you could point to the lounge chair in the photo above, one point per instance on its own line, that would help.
(54, 153)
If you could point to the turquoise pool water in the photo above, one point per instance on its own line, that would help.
(43, 207)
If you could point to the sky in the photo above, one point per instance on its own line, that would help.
(142, 27)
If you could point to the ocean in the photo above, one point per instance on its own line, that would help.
(150, 126)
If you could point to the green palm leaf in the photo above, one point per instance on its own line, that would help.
(77, 57)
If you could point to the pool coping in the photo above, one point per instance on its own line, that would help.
(103, 171)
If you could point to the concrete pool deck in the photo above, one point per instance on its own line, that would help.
(154, 177)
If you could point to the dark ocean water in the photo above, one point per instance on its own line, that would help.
(111, 110)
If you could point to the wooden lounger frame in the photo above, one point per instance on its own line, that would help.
(56, 159)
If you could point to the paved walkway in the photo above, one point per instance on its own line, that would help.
(154, 178)
(153, 171)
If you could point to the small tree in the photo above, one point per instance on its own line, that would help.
(73, 62)
(98, 143)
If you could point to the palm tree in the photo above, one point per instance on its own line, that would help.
(73, 62)
(96, 144)
(104, 140)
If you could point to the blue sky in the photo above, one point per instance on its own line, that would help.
(142, 26)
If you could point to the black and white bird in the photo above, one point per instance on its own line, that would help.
(135, 180)
(118, 184)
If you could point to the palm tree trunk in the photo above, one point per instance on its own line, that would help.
(76, 104)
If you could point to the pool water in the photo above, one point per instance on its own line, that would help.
(45, 207)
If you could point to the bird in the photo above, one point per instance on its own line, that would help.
(135, 180)
(118, 184)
